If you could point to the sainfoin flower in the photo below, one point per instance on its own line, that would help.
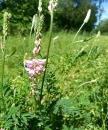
(35, 67)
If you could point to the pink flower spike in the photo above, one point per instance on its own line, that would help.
(41, 61)
(35, 66)
(27, 69)
(28, 63)
(39, 69)
(31, 73)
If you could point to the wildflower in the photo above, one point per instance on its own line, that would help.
(35, 66)
(87, 16)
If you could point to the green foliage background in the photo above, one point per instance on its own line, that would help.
(103, 26)
(69, 14)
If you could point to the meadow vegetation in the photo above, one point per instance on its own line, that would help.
(70, 94)
(76, 92)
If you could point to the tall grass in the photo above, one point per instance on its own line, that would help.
(62, 46)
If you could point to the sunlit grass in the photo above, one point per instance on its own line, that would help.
(60, 47)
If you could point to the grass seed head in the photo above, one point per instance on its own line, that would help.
(87, 16)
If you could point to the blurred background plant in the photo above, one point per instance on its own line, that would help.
(69, 14)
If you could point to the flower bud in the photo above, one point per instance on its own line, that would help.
(36, 50)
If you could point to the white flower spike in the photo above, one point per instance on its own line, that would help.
(52, 5)
(87, 16)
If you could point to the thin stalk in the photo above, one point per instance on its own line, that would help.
(47, 56)
(2, 73)
(33, 91)
(103, 125)
(78, 32)
(92, 46)
(35, 106)
(103, 115)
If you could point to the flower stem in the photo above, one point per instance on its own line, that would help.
(47, 56)
(2, 73)
(78, 31)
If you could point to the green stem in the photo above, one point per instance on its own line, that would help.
(35, 106)
(47, 56)
(103, 125)
(2, 74)
(78, 32)
(33, 87)
(103, 115)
